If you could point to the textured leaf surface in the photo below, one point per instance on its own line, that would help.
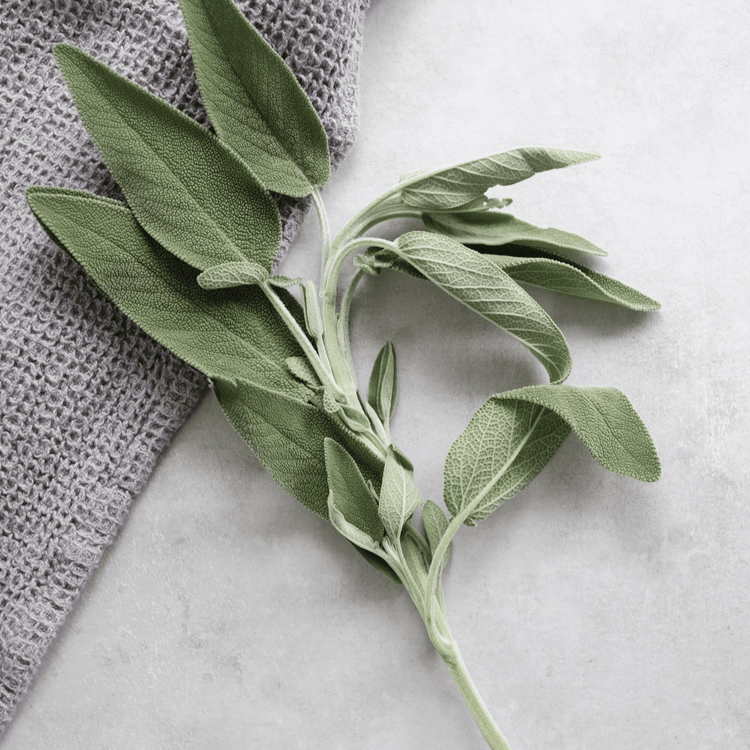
(350, 494)
(573, 279)
(435, 525)
(399, 496)
(254, 100)
(455, 186)
(188, 190)
(481, 285)
(513, 435)
(382, 390)
(499, 228)
(288, 437)
(237, 273)
(231, 333)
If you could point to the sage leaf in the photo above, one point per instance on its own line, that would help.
(254, 100)
(482, 286)
(237, 273)
(435, 525)
(187, 189)
(451, 187)
(283, 281)
(513, 435)
(399, 496)
(414, 560)
(313, 319)
(499, 228)
(233, 333)
(566, 277)
(288, 436)
(350, 495)
(303, 371)
(383, 386)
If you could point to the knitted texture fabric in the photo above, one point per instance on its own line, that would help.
(87, 400)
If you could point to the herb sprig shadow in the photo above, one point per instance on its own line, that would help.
(190, 256)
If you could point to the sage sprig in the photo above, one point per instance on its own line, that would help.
(189, 258)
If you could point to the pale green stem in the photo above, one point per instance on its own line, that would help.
(325, 231)
(312, 355)
(452, 657)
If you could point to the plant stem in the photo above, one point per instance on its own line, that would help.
(452, 657)
(325, 231)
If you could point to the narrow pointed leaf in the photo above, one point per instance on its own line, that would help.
(230, 333)
(382, 390)
(288, 437)
(573, 279)
(513, 435)
(187, 189)
(301, 368)
(350, 495)
(499, 228)
(254, 100)
(284, 281)
(237, 273)
(414, 559)
(399, 496)
(313, 320)
(451, 187)
(478, 283)
(435, 525)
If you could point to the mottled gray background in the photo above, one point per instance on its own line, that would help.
(594, 612)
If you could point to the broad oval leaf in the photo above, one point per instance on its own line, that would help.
(451, 187)
(481, 285)
(231, 333)
(513, 435)
(499, 228)
(382, 389)
(187, 189)
(350, 495)
(237, 273)
(573, 279)
(254, 100)
(399, 496)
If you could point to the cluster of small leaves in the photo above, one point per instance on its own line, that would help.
(189, 258)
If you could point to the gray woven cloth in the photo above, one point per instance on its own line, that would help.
(88, 401)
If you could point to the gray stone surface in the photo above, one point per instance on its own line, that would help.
(593, 611)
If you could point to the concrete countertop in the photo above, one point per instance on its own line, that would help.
(593, 611)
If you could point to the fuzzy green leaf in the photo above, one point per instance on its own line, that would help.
(566, 277)
(513, 435)
(351, 497)
(478, 283)
(399, 496)
(237, 273)
(232, 333)
(313, 319)
(288, 437)
(451, 187)
(301, 368)
(254, 100)
(187, 189)
(383, 386)
(435, 525)
(499, 228)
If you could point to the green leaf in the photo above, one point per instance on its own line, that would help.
(499, 228)
(478, 283)
(301, 368)
(415, 560)
(187, 189)
(451, 187)
(573, 279)
(233, 333)
(313, 319)
(254, 100)
(383, 386)
(288, 436)
(399, 496)
(237, 273)
(435, 525)
(350, 497)
(283, 281)
(513, 435)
